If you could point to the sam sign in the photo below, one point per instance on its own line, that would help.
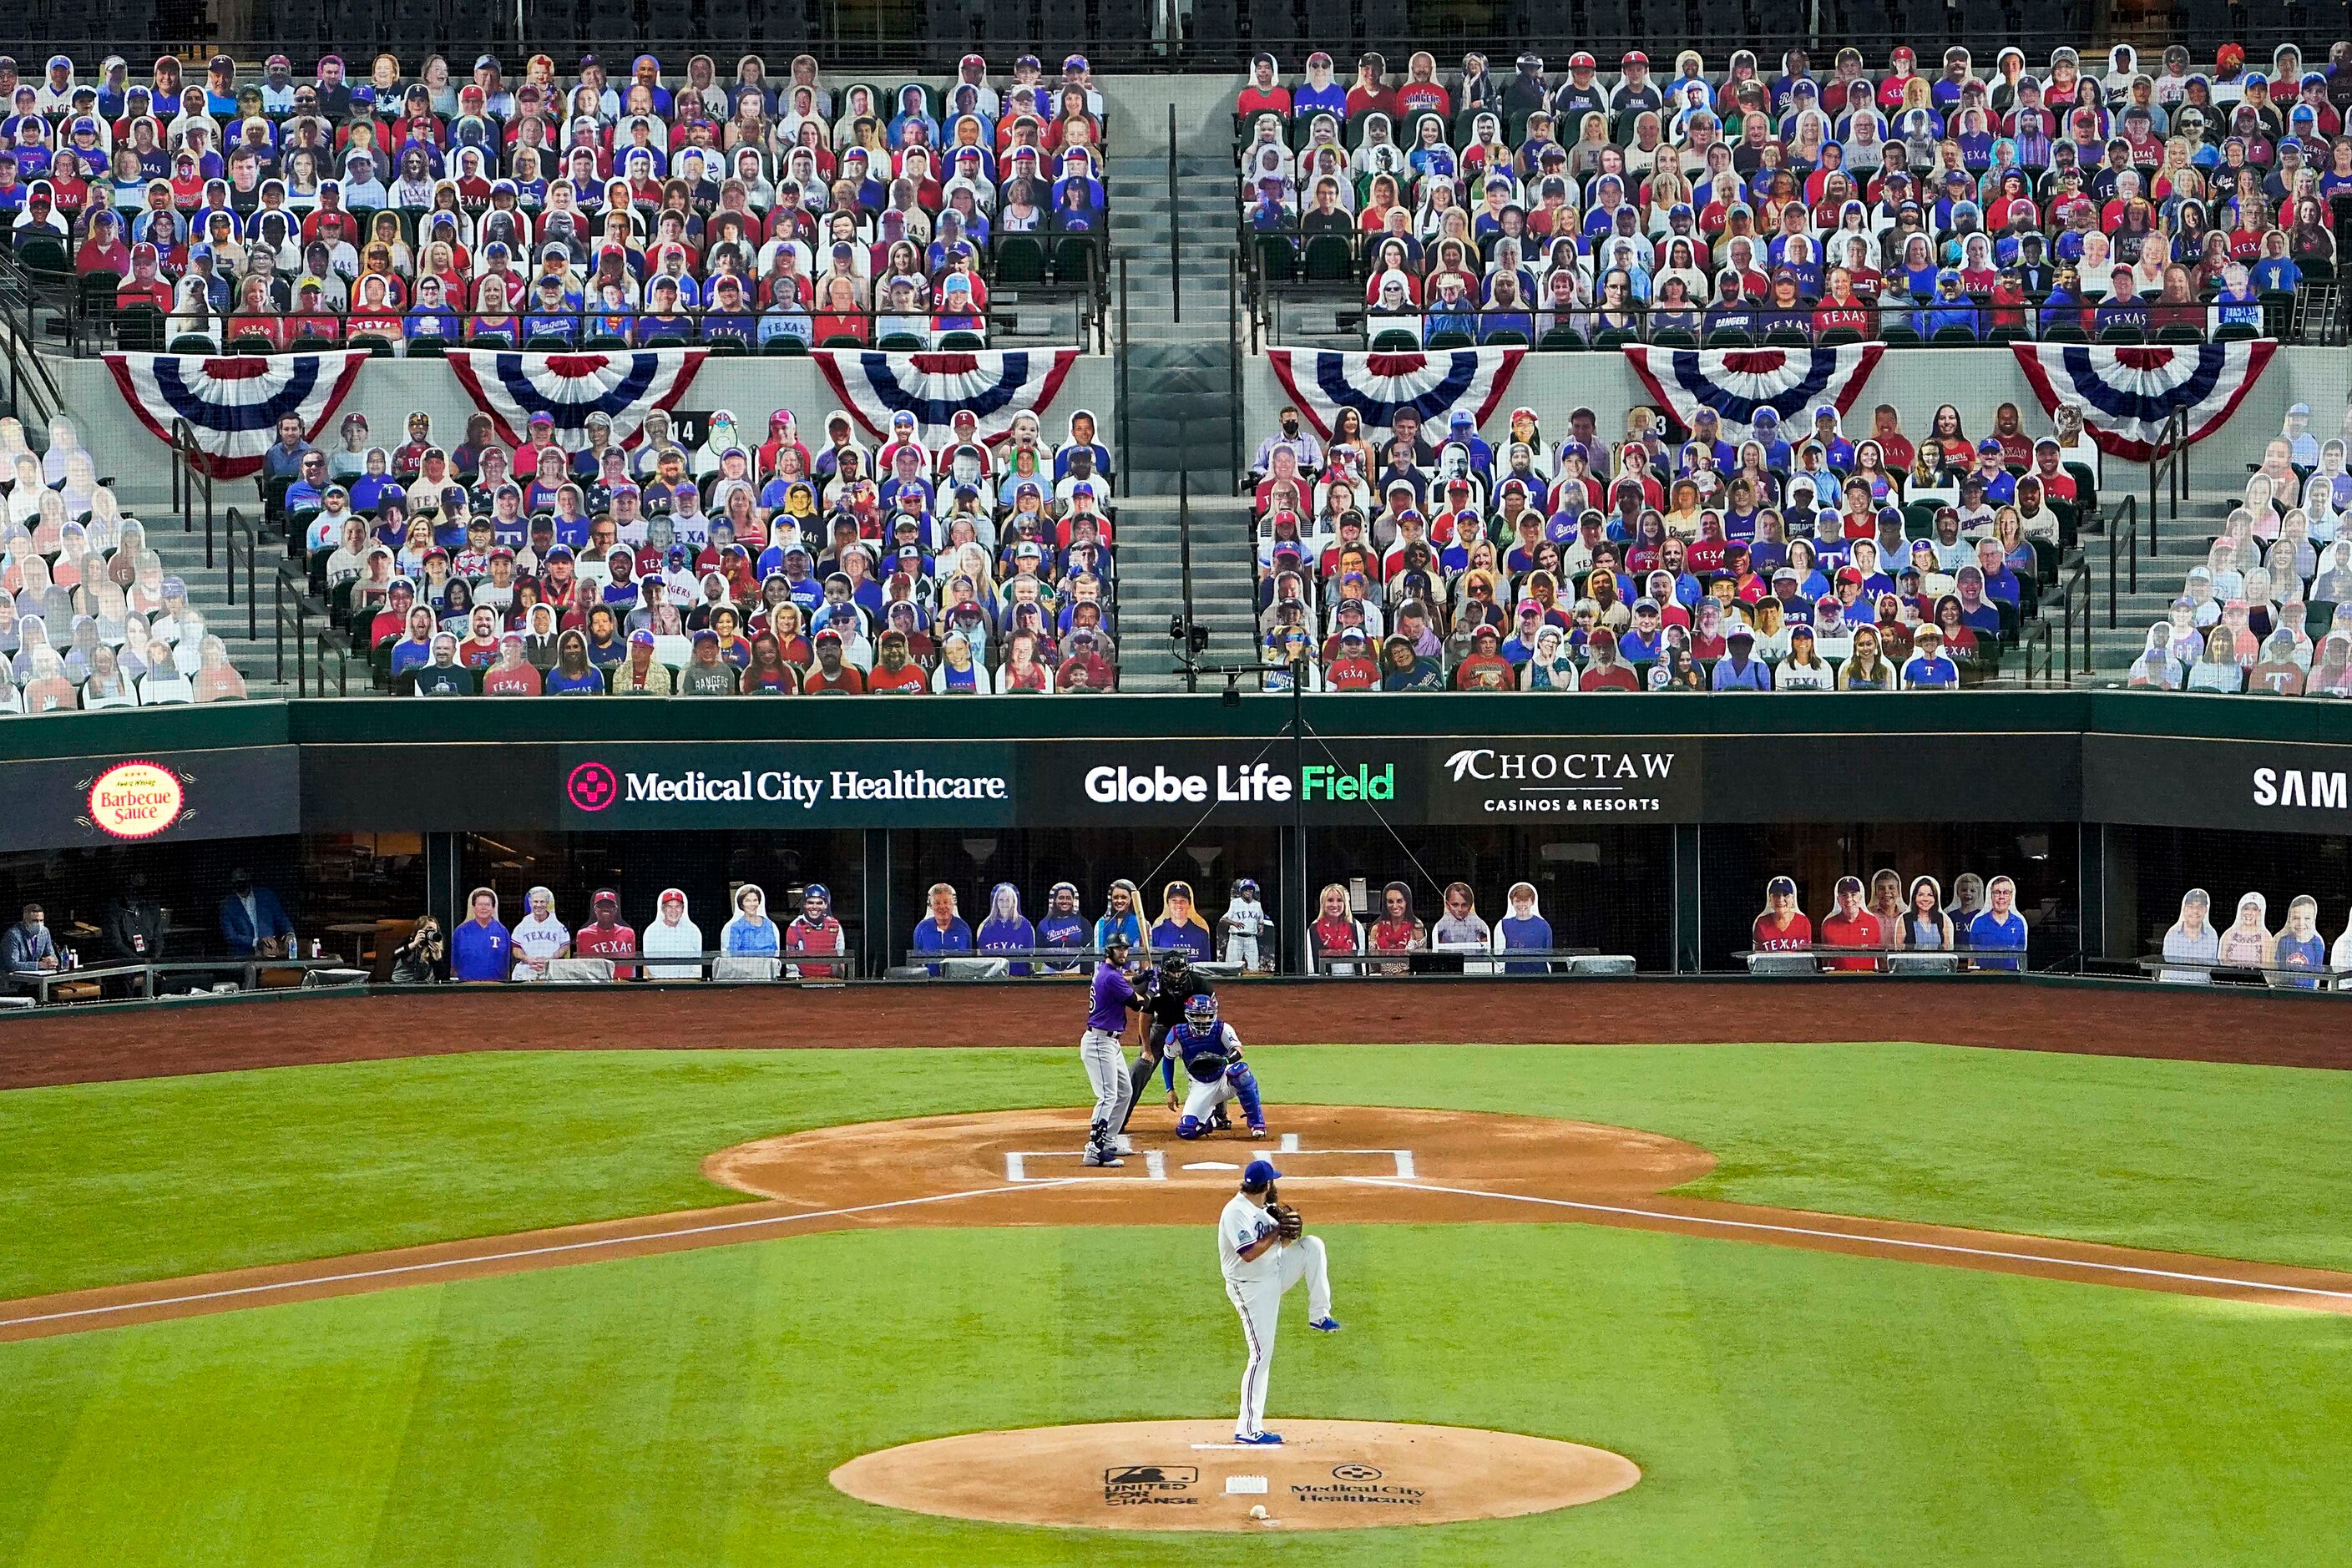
(136, 800)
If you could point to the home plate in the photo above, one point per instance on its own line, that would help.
(1209, 1165)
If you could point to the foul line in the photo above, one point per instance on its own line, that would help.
(1864, 1240)
(474, 1260)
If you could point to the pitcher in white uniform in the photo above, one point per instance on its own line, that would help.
(1259, 1268)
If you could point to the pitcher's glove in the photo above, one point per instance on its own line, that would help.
(1289, 1222)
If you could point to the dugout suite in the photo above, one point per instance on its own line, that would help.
(1648, 823)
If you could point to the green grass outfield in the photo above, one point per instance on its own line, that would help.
(1785, 1406)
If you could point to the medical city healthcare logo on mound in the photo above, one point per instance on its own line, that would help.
(786, 785)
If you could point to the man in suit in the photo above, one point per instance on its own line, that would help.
(253, 923)
(29, 946)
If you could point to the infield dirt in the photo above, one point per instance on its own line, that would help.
(1192, 1475)
(1343, 1164)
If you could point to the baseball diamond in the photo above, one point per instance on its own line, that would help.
(1579, 801)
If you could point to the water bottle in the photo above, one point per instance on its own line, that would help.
(316, 949)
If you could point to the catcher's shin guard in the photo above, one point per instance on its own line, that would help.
(1245, 1087)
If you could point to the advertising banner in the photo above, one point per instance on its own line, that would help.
(785, 784)
(1339, 781)
(2267, 786)
(1566, 778)
(158, 797)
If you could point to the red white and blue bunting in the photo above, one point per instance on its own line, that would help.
(1737, 382)
(624, 387)
(233, 404)
(2127, 394)
(994, 387)
(1379, 386)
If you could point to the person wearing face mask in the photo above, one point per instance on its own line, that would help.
(1299, 441)
(30, 945)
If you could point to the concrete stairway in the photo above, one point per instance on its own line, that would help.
(1152, 588)
(146, 495)
(2179, 544)
(1178, 428)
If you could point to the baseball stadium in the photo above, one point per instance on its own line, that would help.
(1693, 904)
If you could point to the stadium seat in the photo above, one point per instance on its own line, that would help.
(1215, 23)
(1074, 259)
(1020, 258)
(44, 256)
(1331, 259)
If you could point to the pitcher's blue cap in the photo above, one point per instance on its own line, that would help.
(1257, 1173)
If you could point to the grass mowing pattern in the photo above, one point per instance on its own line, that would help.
(1786, 1407)
(106, 1182)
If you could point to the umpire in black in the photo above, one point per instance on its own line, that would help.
(1163, 1010)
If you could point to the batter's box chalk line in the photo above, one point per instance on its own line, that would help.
(1018, 1163)
(1016, 1167)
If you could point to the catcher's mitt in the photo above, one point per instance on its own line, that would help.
(1289, 1222)
(1206, 1067)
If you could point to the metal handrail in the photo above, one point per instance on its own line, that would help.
(2217, 972)
(1234, 374)
(190, 474)
(237, 526)
(290, 585)
(2037, 638)
(578, 325)
(1126, 473)
(19, 296)
(2077, 585)
(2169, 461)
(1184, 568)
(326, 643)
(2123, 539)
(1175, 230)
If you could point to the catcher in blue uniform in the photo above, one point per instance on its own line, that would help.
(1211, 1056)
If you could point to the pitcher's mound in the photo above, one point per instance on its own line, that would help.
(1191, 1474)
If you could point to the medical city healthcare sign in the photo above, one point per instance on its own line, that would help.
(786, 785)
